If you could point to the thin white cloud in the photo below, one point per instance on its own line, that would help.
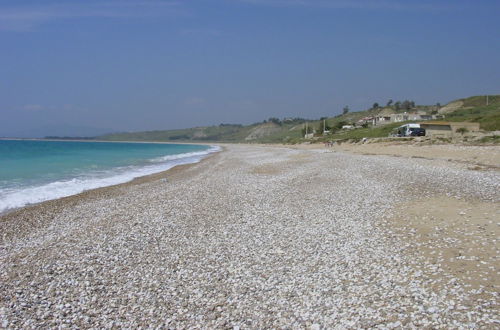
(41, 107)
(28, 17)
(359, 4)
(33, 107)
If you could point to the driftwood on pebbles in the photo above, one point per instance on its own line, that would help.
(252, 238)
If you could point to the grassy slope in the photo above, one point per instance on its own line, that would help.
(147, 136)
(213, 133)
(233, 133)
(287, 134)
(474, 109)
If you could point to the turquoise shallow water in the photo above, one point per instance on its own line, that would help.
(34, 171)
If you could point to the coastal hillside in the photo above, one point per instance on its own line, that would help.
(481, 109)
(268, 131)
(478, 109)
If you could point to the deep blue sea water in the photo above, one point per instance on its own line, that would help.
(35, 171)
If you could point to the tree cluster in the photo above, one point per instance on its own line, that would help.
(230, 125)
(294, 120)
(398, 105)
(274, 120)
(289, 120)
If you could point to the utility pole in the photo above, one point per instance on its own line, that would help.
(324, 126)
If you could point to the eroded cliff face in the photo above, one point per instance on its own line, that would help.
(199, 133)
(262, 131)
(452, 106)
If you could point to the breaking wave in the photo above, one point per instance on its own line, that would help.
(11, 198)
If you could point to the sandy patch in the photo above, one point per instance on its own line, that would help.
(459, 236)
(482, 156)
(475, 157)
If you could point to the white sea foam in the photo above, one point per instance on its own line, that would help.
(14, 198)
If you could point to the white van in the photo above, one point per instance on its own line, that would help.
(410, 130)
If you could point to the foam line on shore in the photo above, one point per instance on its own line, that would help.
(14, 198)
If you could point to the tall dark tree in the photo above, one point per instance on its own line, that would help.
(397, 105)
(389, 103)
(375, 105)
(340, 124)
(345, 110)
(275, 120)
(406, 105)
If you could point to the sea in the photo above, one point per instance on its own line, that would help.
(33, 171)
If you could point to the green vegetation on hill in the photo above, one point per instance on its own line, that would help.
(474, 109)
(269, 131)
(479, 101)
(223, 132)
(291, 130)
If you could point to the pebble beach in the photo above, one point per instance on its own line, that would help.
(261, 237)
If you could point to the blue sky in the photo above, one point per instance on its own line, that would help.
(84, 67)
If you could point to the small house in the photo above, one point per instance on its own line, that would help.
(447, 128)
(381, 120)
